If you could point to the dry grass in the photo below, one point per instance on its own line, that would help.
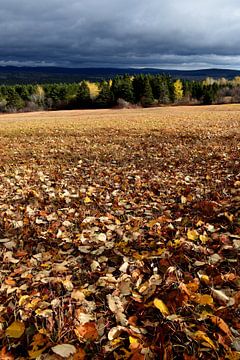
(216, 118)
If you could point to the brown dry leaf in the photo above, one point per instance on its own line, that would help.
(77, 295)
(21, 253)
(137, 355)
(15, 330)
(87, 331)
(220, 323)
(116, 306)
(189, 357)
(79, 355)
(39, 340)
(4, 355)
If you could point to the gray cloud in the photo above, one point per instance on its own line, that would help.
(77, 33)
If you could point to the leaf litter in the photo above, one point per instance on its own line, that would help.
(125, 246)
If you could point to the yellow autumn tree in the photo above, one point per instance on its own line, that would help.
(38, 96)
(94, 89)
(178, 90)
(236, 81)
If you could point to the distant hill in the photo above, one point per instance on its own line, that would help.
(26, 75)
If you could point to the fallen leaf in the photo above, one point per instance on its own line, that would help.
(115, 332)
(203, 299)
(204, 239)
(64, 350)
(201, 336)
(134, 342)
(79, 355)
(8, 258)
(192, 234)
(219, 295)
(159, 304)
(220, 323)
(34, 354)
(87, 200)
(116, 306)
(102, 237)
(15, 330)
(87, 331)
(4, 355)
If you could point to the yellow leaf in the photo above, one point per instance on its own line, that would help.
(183, 199)
(16, 329)
(203, 299)
(192, 286)
(201, 336)
(87, 200)
(152, 223)
(200, 223)
(134, 343)
(23, 299)
(33, 354)
(203, 238)
(230, 217)
(204, 279)
(192, 234)
(159, 304)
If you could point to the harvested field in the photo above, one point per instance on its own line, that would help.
(120, 234)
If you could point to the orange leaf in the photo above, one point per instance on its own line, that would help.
(4, 355)
(203, 299)
(21, 253)
(87, 331)
(220, 323)
(9, 281)
(79, 355)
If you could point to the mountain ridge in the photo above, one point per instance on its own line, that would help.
(50, 74)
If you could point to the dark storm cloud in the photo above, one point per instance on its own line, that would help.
(173, 33)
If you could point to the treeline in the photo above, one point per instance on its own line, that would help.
(123, 91)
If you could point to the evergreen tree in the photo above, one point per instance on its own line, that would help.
(14, 101)
(156, 85)
(105, 96)
(122, 88)
(83, 98)
(138, 87)
(147, 95)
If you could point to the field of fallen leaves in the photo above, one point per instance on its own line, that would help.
(120, 234)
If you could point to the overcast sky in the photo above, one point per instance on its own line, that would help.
(128, 33)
